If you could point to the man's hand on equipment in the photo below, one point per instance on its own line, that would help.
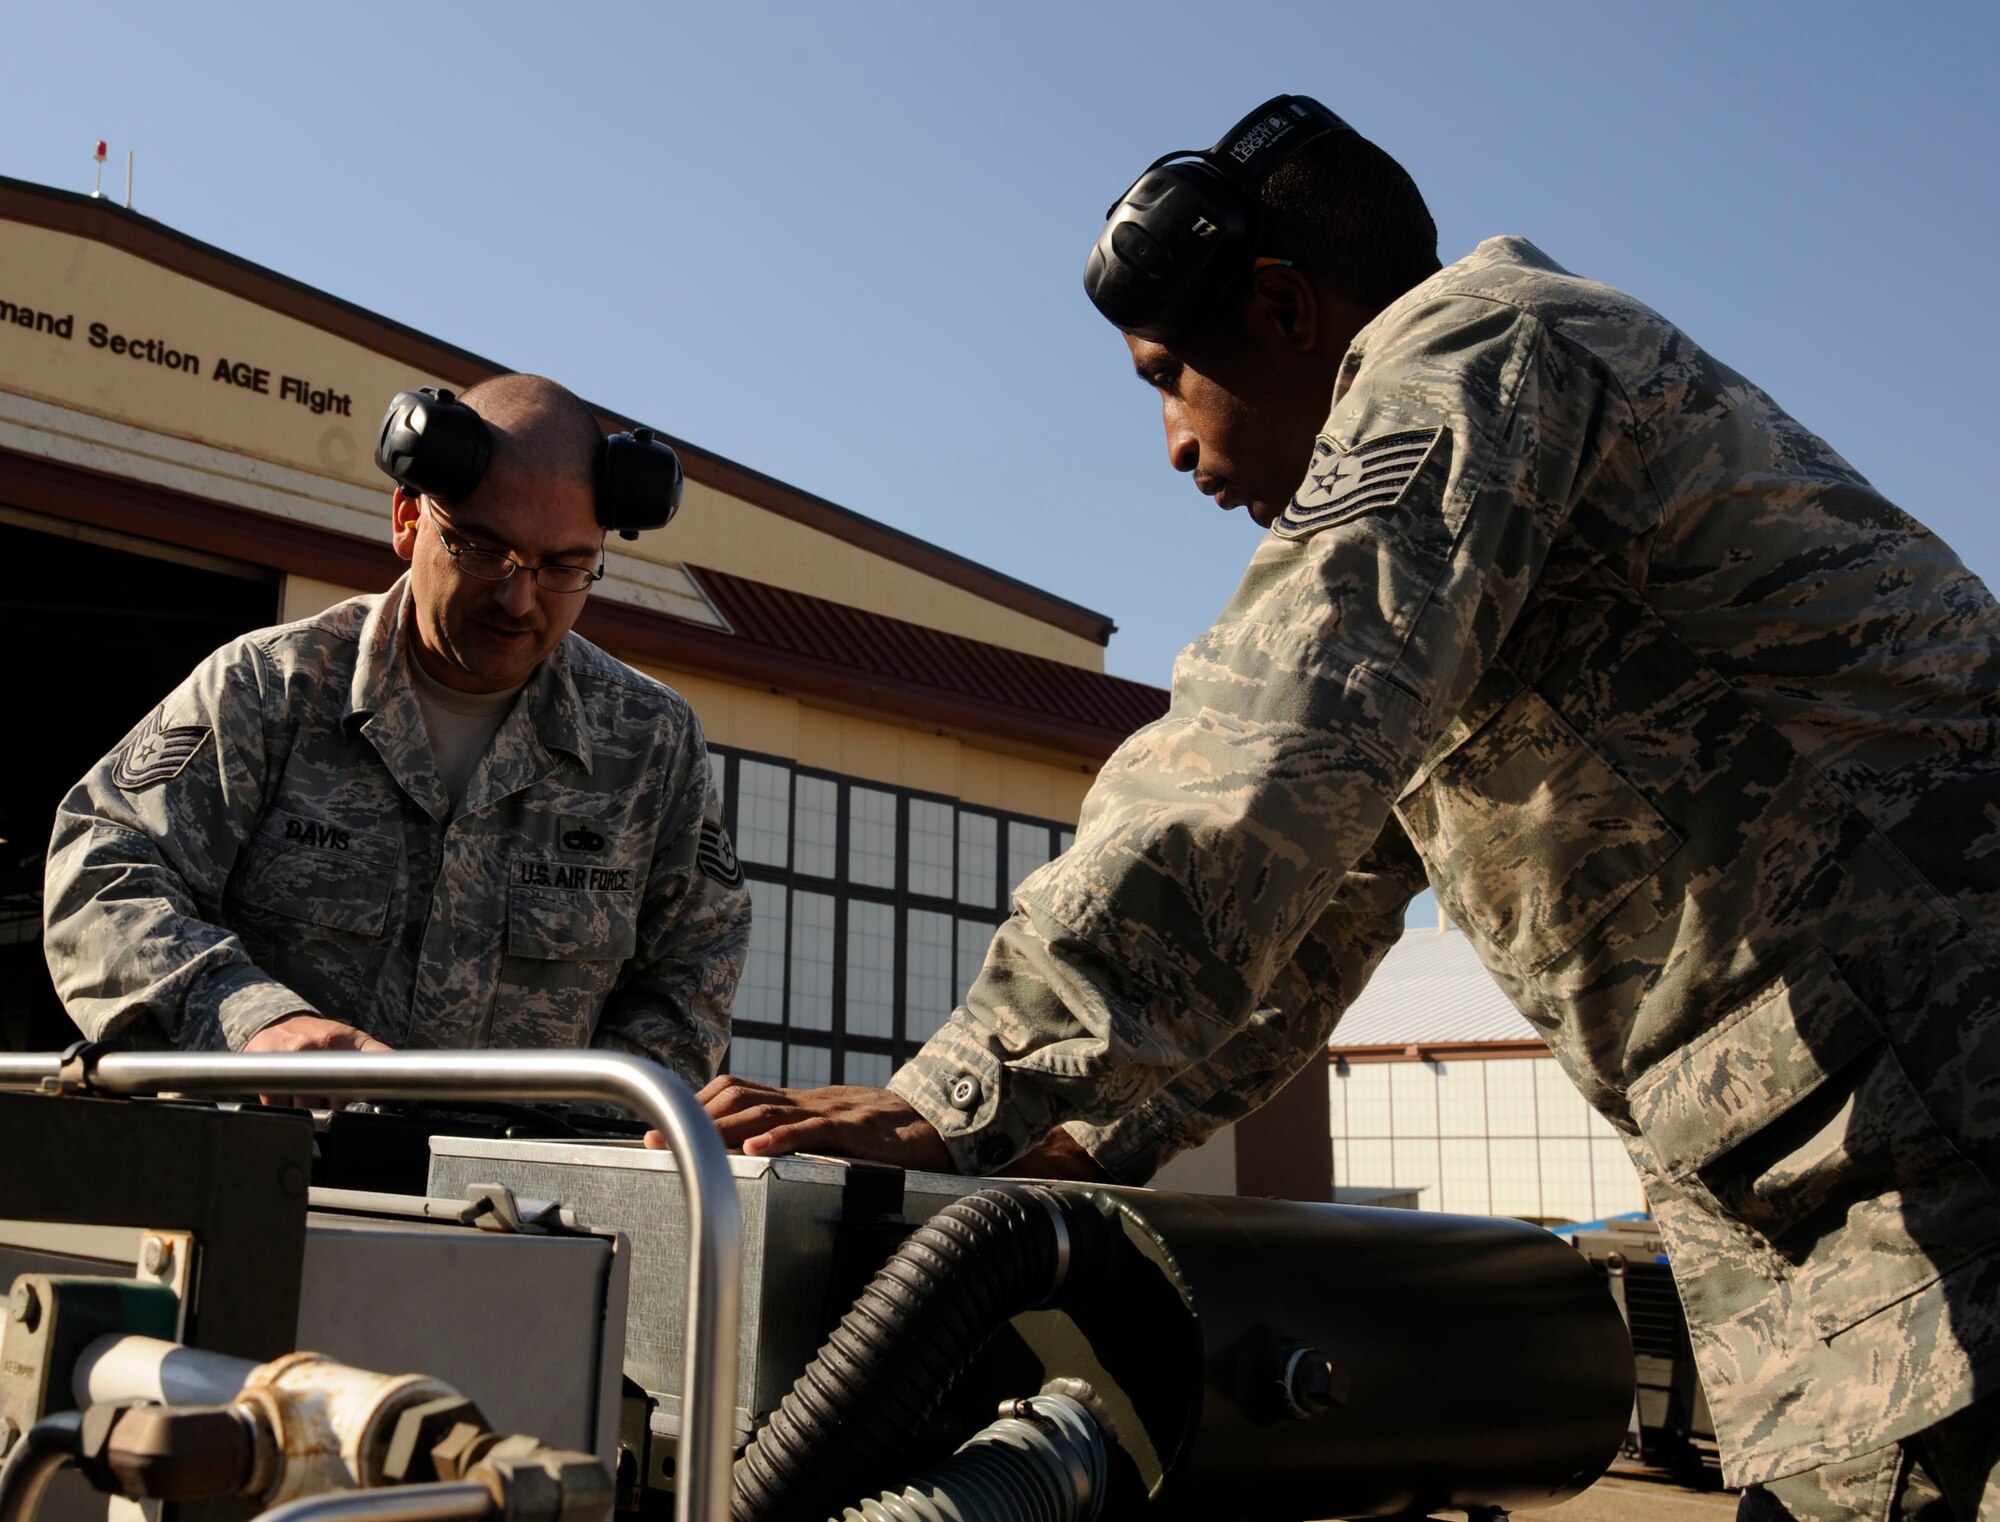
(303, 1032)
(846, 1120)
(1057, 1155)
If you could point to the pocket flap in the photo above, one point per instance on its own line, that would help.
(319, 872)
(571, 926)
(1541, 840)
(1753, 1066)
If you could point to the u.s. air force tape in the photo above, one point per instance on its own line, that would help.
(1344, 483)
(716, 856)
(155, 753)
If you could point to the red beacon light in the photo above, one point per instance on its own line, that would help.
(103, 148)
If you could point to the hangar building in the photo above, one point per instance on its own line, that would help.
(186, 453)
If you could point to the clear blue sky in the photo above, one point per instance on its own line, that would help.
(843, 243)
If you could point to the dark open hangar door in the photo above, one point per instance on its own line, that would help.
(98, 628)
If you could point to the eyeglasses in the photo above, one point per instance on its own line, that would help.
(498, 565)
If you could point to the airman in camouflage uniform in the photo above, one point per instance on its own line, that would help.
(1696, 736)
(275, 839)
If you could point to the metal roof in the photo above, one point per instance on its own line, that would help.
(1431, 991)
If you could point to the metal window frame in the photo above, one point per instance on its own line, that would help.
(727, 762)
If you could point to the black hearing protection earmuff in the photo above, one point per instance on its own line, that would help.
(1188, 226)
(432, 442)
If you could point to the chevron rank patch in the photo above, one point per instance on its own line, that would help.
(716, 856)
(154, 754)
(1344, 483)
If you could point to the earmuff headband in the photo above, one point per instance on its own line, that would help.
(1188, 227)
(432, 442)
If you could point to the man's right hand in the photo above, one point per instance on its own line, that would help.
(1057, 1155)
(846, 1120)
(303, 1032)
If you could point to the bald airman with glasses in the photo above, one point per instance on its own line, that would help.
(432, 817)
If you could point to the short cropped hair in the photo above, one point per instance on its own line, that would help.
(537, 425)
(1342, 209)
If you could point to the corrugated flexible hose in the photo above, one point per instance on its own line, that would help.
(1042, 1462)
(844, 1429)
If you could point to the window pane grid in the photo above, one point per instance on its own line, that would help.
(763, 813)
(812, 961)
(871, 968)
(871, 837)
(816, 826)
(808, 1067)
(849, 969)
(927, 991)
(759, 1060)
(930, 848)
(761, 993)
(871, 1068)
(1027, 849)
(978, 858)
(974, 936)
(1503, 1135)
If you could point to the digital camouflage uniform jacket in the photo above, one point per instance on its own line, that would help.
(1697, 737)
(275, 837)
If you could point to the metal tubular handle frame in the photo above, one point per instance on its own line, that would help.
(715, 1225)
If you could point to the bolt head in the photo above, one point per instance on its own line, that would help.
(25, 1306)
(1312, 1383)
(156, 1255)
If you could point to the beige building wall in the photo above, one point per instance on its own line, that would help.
(1479, 1136)
(149, 347)
(302, 597)
(853, 745)
(175, 334)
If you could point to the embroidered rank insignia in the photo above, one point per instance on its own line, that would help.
(717, 856)
(155, 754)
(1344, 483)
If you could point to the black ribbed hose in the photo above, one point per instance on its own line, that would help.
(844, 1430)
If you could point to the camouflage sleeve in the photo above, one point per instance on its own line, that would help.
(1325, 975)
(1215, 838)
(671, 1001)
(142, 849)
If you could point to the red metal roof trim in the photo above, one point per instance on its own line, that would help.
(814, 631)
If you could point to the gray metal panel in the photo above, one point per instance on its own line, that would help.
(523, 1325)
(791, 1209)
(611, 1351)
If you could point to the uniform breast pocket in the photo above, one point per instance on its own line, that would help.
(1533, 837)
(571, 925)
(318, 872)
(1795, 1115)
